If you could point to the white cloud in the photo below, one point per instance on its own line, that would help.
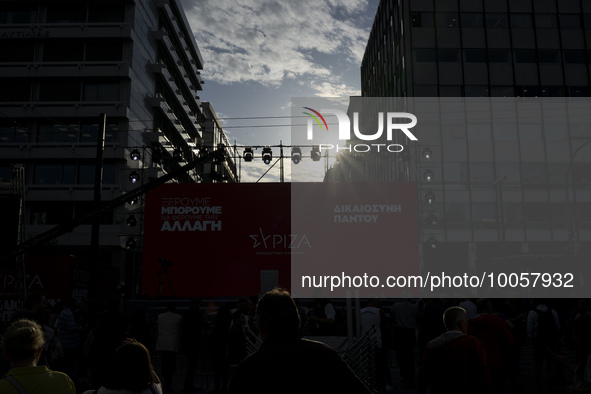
(270, 41)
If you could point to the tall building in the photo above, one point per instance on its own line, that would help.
(490, 193)
(63, 63)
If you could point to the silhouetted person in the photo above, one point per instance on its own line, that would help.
(404, 320)
(543, 327)
(219, 339)
(495, 336)
(23, 344)
(167, 343)
(371, 317)
(455, 362)
(69, 335)
(191, 327)
(140, 326)
(131, 372)
(286, 363)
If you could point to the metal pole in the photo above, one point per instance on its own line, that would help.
(281, 179)
(98, 184)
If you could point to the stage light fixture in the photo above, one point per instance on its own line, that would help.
(296, 155)
(133, 201)
(130, 243)
(432, 220)
(429, 198)
(428, 175)
(135, 155)
(267, 155)
(134, 177)
(315, 154)
(427, 154)
(248, 154)
(432, 242)
(131, 221)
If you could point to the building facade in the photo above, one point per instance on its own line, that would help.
(490, 193)
(63, 63)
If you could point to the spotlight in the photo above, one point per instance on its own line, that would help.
(296, 155)
(130, 243)
(134, 177)
(131, 221)
(428, 175)
(432, 242)
(267, 155)
(432, 220)
(429, 198)
(247, 155)
(135, 155)
(133, 201)
(315, 154)
(427, 154)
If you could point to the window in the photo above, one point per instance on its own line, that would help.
(50, 212)
(457, 215)
(425, 55)
(14, 12)
(472, 20)
(450, 91)
(570, 21)
(447, 19)
(513, 215)
(63, 51)
(524, 56)
(425, 90)
(537, 214)
(530, 131)
(521, 21)
(104, 51)
(552, 91)
(101, 91)
(422, 19)
(548, 56)
(15, 89)
(66, 12)
(17, 50)
(499, 56)
(502, 91)
(533, 175)
(65, 132)
(11, 131)
(455, 172)
(55, 174)
(478, 131)
(86, 174)
(89, 132)
(59, 89)
(505, 131)
(578, 91)
(476, 91)
(495, 20)
(574, 57)
(484, 215)
(448, 55)
(481, 173)
(546, 21)
(475, 55)
(106, 13)
(556, 131)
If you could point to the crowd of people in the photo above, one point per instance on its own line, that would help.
(461, 344)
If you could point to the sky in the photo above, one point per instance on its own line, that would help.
(259, 54)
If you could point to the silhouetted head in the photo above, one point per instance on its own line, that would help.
(455, 319)
(277, 314)
(23, 341)
(131, 368)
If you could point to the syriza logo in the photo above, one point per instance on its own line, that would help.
(344, 129)
(279, 241)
